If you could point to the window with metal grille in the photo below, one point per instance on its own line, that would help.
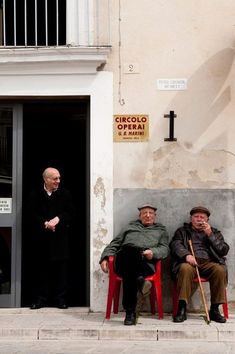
(32, 22)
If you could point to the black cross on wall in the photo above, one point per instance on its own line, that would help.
(172, 115)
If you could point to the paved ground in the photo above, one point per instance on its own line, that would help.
(46, 331)
(114, 347)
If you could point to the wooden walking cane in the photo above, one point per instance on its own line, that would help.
(200, 285)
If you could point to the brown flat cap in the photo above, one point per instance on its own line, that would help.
(147, 206)
(200, 209)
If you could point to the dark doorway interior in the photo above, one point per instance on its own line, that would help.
(56, 133)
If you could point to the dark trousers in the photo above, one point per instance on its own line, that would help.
(52, 281)
(130, 264)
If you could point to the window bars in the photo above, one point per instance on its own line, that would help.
(42, 23)
(32, 23)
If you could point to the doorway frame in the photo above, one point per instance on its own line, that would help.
(19, 84)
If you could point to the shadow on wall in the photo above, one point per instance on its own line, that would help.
(189, 163)
(203, 101)
(200, 158)
(174, 206)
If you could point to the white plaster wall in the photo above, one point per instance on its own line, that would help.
(101, 202)
(100, 88)
(191, 39)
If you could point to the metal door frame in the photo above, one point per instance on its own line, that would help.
(17, 189)
(13, 220)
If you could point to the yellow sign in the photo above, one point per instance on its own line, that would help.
(130, 127)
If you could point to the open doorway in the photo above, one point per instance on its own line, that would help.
(56, 134)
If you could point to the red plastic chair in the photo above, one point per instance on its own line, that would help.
(115, 285)
(196, 280)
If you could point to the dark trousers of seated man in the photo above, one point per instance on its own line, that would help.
(130, 264)
(214, 272)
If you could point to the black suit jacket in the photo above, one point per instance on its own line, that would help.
(42, 207)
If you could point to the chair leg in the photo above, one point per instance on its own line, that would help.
(110, 299)
(152, 300)
(158, 290)
(116, 296)
(225, 305)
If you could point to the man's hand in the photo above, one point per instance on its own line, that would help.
(148, 254)
(51, 224)
(206, 228)
(191, 260)
(105, 266)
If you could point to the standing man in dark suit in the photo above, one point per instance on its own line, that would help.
(51, 211)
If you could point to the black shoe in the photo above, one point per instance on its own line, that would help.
(216, 316)
(181, 315)
(62, 305)
(130, 319)
(36, 305)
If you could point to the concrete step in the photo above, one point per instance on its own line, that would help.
(79, 324)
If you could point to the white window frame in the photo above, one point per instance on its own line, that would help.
(80, 22)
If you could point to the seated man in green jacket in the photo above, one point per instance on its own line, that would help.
(137, 248)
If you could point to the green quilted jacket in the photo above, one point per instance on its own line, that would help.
(135, 234)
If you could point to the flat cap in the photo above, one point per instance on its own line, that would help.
(147, 206)
(200, 209)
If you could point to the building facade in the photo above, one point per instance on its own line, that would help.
(135, 99)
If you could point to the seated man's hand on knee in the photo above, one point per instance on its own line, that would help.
(191, 260)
